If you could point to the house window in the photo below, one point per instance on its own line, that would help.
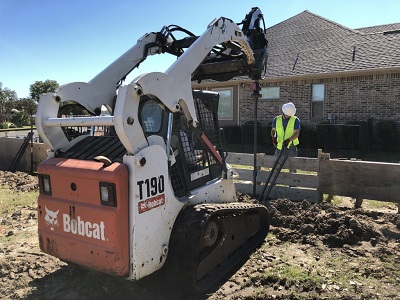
(317, 100)
(269, 93)
(225, 107)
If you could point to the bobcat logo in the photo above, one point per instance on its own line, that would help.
(51, 218)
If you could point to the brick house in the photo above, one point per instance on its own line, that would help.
(333, 74)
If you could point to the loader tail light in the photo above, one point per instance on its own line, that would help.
(44, 185)
(108, 196)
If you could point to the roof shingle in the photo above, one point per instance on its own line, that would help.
(310, 44)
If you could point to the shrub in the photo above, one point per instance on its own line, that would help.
(386, 134)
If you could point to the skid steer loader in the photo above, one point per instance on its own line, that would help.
(146, 186)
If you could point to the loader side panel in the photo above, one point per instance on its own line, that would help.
(74, 224)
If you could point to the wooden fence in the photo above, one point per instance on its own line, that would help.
(310, 178)
(301, 177)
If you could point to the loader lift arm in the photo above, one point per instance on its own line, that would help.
(221, 52)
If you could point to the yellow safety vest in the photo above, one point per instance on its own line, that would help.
(283, 134)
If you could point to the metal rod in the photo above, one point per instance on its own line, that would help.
(269, 176)
(31, 113)
(274, 172)
(169, 134)
(80, 121)
(277, 172)
(256, 89)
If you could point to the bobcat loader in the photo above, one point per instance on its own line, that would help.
(151, 190)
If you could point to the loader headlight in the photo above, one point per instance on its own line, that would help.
(107, 194)
(44, 184)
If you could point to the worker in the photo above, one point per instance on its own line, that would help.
(285, 130)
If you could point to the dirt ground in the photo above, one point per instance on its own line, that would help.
(313, 251)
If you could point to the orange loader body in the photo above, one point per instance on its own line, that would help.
(74, 225)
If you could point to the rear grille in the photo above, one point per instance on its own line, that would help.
(92, 146)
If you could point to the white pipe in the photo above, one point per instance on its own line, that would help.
(80, 121)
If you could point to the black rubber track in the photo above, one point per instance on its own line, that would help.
(185, 255)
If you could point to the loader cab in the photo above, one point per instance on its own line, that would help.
(191, 163)
(195, 162)
(153, 117)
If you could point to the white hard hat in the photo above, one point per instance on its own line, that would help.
(289, 109)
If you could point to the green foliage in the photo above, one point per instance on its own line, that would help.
(387, 134)
(7, 97)
(307, 137)
(72, 108)
(6, 94)
(41, 87)
(354, 139)
(19, 119)
(23, 109)
(338, 136)
(245, 134)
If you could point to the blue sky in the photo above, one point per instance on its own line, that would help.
(73, 40)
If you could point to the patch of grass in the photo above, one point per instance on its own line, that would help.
(296, 274)
(20, 237)
(391, 268)
(10, 200)
(341, 272)
(287, 276)
(337, 200)
(343, 278)
(238, 167)
(271, 236)
(373, 204)
(307, 172)
(334, 200)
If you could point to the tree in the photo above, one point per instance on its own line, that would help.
(41, 87)
(23, 110)
(7, 97)
(72, 108)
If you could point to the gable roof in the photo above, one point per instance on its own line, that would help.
(381, 28)
(310, 44)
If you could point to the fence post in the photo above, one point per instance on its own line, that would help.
(321, 156)
(358, 203)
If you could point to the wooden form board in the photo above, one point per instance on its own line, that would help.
(357, 179)
(267, 161)
(292, 193)
(360, 179)
(295, 186)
